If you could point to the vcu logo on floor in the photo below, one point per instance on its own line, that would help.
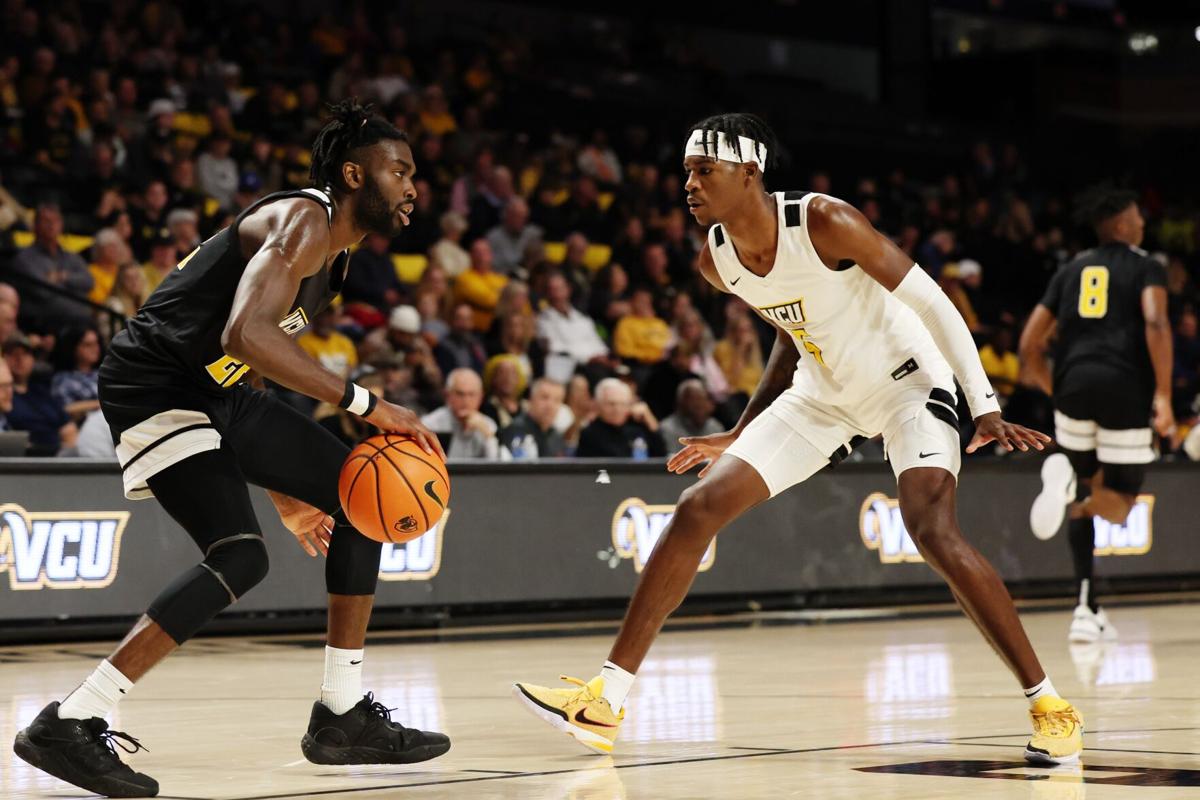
(60, 549)
(416, 560)
(637, 527)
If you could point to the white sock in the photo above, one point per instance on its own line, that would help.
(1043, 689)
(342, 688)
(617, 683)
(96, 696)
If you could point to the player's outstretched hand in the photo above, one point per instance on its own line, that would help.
(698, 449)
(311, 526)
(392, 418)
(992, 428)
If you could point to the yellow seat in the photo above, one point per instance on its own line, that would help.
(211, 206)
(198, 125)
(409, 267)
(555, 252)
(70, 242)
(596, 256)
(605, 199)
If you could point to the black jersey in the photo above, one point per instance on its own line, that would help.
(1097, 300)
(175, 338)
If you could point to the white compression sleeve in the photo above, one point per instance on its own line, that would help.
(919, 292)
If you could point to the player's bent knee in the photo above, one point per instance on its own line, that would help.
(240, 562)
(700, 510)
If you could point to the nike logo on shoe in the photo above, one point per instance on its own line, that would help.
(582, 718)
(989, 395)
(735, 280)
(927, 455)
(352, 663)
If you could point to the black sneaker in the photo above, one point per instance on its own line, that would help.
(366, 735)
(83, 752)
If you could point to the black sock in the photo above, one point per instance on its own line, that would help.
(1082, 534)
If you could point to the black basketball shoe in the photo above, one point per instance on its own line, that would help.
(366, 735)
(83, 752)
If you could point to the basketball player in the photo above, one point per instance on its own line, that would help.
(866, 344)
(190, 432)
(1112, 384)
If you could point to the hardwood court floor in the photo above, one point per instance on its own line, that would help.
(886, 708)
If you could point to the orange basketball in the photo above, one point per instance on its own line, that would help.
(392, 490)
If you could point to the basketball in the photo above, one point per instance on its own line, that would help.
(392, 490)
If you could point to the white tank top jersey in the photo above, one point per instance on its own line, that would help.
(854, 337)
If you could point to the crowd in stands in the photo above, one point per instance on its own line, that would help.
(545, 301)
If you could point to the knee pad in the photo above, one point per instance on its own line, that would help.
(231, 567)
(352, 566)
(1124, 478)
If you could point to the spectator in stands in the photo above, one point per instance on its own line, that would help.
(447, 252)
(433, 324)
(149, 218)
(610, 296)
(512, 236)
(34, 408)
(162, 263)
(402, 340)
(217, 171)
(183, 226)
(739, 354)
(47, 261)
(464, 431)
(8, 320)
(127, 296)
(109, 252)
(621, 423)
(661, 382)
(641, 337)
(372, 278)
(95, 438)
(582, 409)
(326, 344)
(1000, 362)
(575, 270)
(461, 347)
(480, 286)
(504, 385)
(952, 284)
(600, 161)
(655, 274)
(692, 417)
(532, 432)
(76, 357)
(565, 330)
(690, 329)
(514, 299)
(516, 339)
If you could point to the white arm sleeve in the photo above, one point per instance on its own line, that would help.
(919, 292)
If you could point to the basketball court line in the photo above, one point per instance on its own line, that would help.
(756, 753)
(1086, 749)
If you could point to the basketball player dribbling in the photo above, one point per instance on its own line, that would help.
(189, 431)
(866, 344)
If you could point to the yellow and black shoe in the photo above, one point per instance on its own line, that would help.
(581, 713)
(1057, 732)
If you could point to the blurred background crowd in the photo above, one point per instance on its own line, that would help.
(545, 301)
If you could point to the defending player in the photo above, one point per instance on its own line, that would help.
(867, 343)
(190, 432)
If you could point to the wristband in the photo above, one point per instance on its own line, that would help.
(357, 400)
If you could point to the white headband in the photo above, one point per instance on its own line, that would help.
(751, 151)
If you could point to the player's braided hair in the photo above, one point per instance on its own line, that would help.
(735, 125)
(350, 126)
(1103, 201)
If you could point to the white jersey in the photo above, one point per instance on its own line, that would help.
(854, 337)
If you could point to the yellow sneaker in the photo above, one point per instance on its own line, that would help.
(580, 713)
(1057, 732)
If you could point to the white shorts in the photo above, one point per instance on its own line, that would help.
(796, 435)
(1125, 446)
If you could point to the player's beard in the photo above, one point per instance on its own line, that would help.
(372, 212)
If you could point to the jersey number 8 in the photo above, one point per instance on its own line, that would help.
(1093, 292)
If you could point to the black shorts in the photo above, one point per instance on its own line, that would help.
(1102, 420)
(268, 443)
